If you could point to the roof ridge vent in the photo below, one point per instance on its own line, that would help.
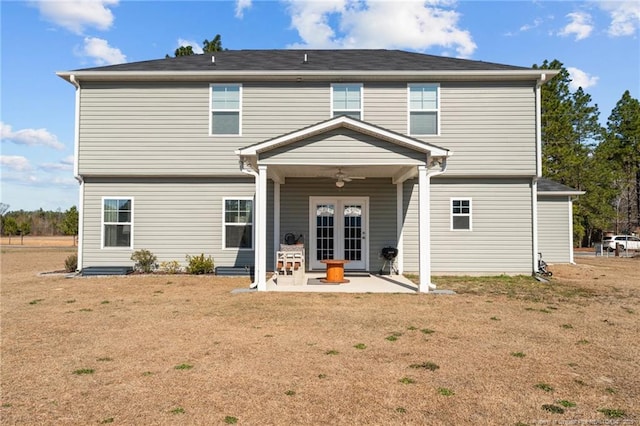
(306, 59)
(213, 60)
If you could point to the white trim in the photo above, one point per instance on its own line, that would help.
(451, 214)
(400, 226)
(81, 225)
(348, 122)
(260, 265)
(538, 138)
(339, 202)
(239, 110)
(571, 260)
(224, 223)
(360, 110)
(534, 225)
(102, 223)
(436, 110)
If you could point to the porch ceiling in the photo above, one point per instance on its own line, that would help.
(393, 171)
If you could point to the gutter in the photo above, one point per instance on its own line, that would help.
(76, 172)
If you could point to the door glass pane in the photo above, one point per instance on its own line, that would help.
(325, 215)
(353, 232)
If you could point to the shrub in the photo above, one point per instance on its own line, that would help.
(145, 261)
(171, 267)
(71, 263)
(199, 265)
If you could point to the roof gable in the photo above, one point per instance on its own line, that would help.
(344, 121)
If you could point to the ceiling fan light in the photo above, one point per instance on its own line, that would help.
(339, 183)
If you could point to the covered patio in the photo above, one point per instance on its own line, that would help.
(358, 283)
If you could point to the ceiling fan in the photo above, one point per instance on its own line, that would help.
(342, 177)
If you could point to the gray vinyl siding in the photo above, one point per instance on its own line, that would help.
(554, 239)
(171, 218)
(294, 210)
(500, 241)
(335, 146)
(160, 129)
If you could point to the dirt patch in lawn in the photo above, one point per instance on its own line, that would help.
(182, 349)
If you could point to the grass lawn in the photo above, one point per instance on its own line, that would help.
(176, 349)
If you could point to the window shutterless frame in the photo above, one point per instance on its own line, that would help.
(225, 109)
(423, 109)
(347, 99)
(116, 223)
(461, 211)
(237, 223)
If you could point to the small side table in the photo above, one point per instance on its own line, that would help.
(335, 271)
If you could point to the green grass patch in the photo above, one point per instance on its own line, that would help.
(230, 420)
(566, 404)
(427, 331)
(70, 301)
(107, 421)
(612, 391)
(178, 410)
(412, 328)
(322, 376)
(85, 310)
(183, 367)
(147, 373)
(494, 319)
(612, 413)
(553, 408)
(446, 392)
(545, 387)
(105, 302)
(407, 381)
(82, 371)
(105, 359)
(518, 354)
(567, 326)
(331, 352)
(431, 366)
(36, 301)
(290, 392)
(360, 346)
(401, 410)
(583, 342)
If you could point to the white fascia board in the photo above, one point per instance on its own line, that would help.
(296, 75)
(560, 193)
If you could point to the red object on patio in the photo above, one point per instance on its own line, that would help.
(335, 271)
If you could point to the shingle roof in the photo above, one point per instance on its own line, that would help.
(317, 60)
(548, 185)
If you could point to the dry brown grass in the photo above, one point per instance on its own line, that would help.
(37, 241)
(274, 358)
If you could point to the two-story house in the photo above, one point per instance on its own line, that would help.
(354, 150)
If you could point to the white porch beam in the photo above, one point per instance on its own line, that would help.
(404, 174)
(261, 230)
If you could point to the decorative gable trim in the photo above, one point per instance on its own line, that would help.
(346, 122)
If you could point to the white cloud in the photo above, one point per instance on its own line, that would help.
(197, 48)
(241, 5)
(76, 15)
(580, 25)
(527, 27)
(412, 24)
(580, 78)
(101, 52)
(16, 163)
(625, 17)
(30, 137)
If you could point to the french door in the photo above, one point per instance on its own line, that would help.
(339, 230)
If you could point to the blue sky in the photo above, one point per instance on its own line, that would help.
(598, 41)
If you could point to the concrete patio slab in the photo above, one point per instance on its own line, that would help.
(358, 283)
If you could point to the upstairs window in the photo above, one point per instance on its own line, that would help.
(346, 99)
(424, 105)
(238, 223)
(117, 222)
(461, 214)
(226, 109)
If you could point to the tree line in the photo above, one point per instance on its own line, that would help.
(603, 161)
(39, 222)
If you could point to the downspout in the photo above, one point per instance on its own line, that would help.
(76, 173)
(425, 221)
(247, 168)
(534, 181)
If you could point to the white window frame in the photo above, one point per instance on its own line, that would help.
(360, 110)
(436, 110)
(469, 215)
(103, 223)
(212, 110)
(224, 223)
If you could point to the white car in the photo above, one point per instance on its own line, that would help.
(625, 242)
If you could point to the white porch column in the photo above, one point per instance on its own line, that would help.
(400, 226)
(424, 233)
(260, 249)
(276, 216)
(534, 224)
